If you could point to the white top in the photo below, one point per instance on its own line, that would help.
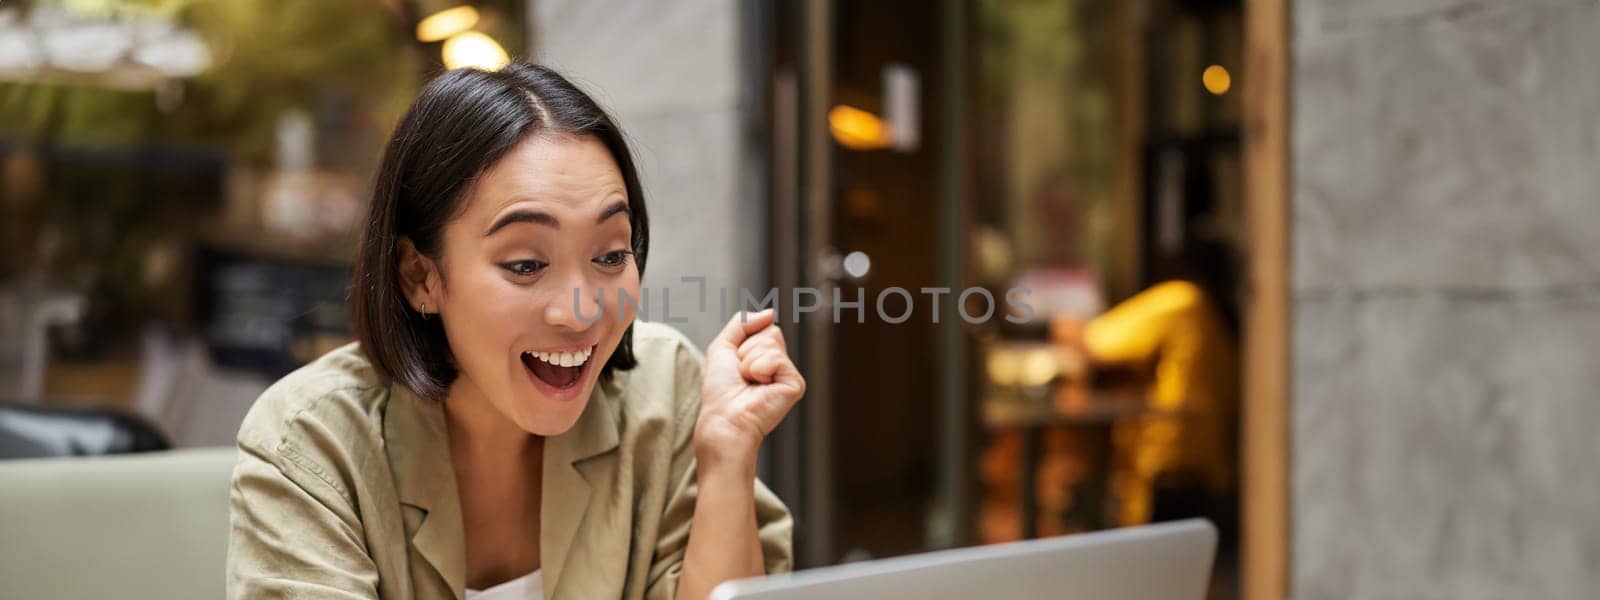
(526, 587)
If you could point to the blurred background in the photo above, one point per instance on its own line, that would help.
(1314, 270)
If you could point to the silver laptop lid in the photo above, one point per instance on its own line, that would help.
(1168, 561)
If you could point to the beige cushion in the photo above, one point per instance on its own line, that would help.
(152, 525)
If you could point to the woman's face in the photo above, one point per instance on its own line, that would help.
(549, 220)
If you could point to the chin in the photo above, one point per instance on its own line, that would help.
(544, 418)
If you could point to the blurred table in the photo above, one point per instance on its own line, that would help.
(1062, 405)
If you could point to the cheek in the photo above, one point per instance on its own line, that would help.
(629, 283)
(481, 325)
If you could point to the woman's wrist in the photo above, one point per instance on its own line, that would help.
(724, 535)
(716, 463)
(722, 450)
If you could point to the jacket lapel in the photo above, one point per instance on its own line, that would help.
(567, 488)
(418, 447)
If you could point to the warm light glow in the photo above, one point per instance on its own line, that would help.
(1217, 80)
(1003, 368)
(1039, 367)
(1028, 366)
(445, 23)
(858, 129)
(471, 49)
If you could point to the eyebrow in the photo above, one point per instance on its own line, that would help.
(523, 216)
(618, 208)
(544, 218)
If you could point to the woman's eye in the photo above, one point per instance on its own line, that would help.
(615, 258)
(524, 268)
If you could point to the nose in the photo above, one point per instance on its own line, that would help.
(578, 304)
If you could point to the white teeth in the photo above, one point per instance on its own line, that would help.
(565, 359)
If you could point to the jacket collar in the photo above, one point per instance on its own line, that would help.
(569, 473)
(418, 447)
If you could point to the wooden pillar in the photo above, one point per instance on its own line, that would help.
(1266, 525)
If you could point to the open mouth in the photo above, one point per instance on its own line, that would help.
(560, 370)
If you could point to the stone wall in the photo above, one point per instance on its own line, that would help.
(670, 73)
(1446, 299)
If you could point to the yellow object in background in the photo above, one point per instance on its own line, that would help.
(1176, 327)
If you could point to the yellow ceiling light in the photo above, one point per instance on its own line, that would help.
(470, 49)
(858, 129)
(445, 23)
(1217, 80)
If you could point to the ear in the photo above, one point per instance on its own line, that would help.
(419, 279)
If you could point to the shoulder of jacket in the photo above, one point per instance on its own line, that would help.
(666, 381)
(326, 407)
(659, 340)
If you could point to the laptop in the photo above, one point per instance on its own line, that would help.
(1167, 561)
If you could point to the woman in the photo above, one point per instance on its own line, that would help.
(502, 424)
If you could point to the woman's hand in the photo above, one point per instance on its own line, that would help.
(748, 386)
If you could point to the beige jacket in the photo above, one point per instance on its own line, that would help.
(344, 487)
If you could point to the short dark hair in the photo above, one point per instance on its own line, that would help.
(463, 122)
